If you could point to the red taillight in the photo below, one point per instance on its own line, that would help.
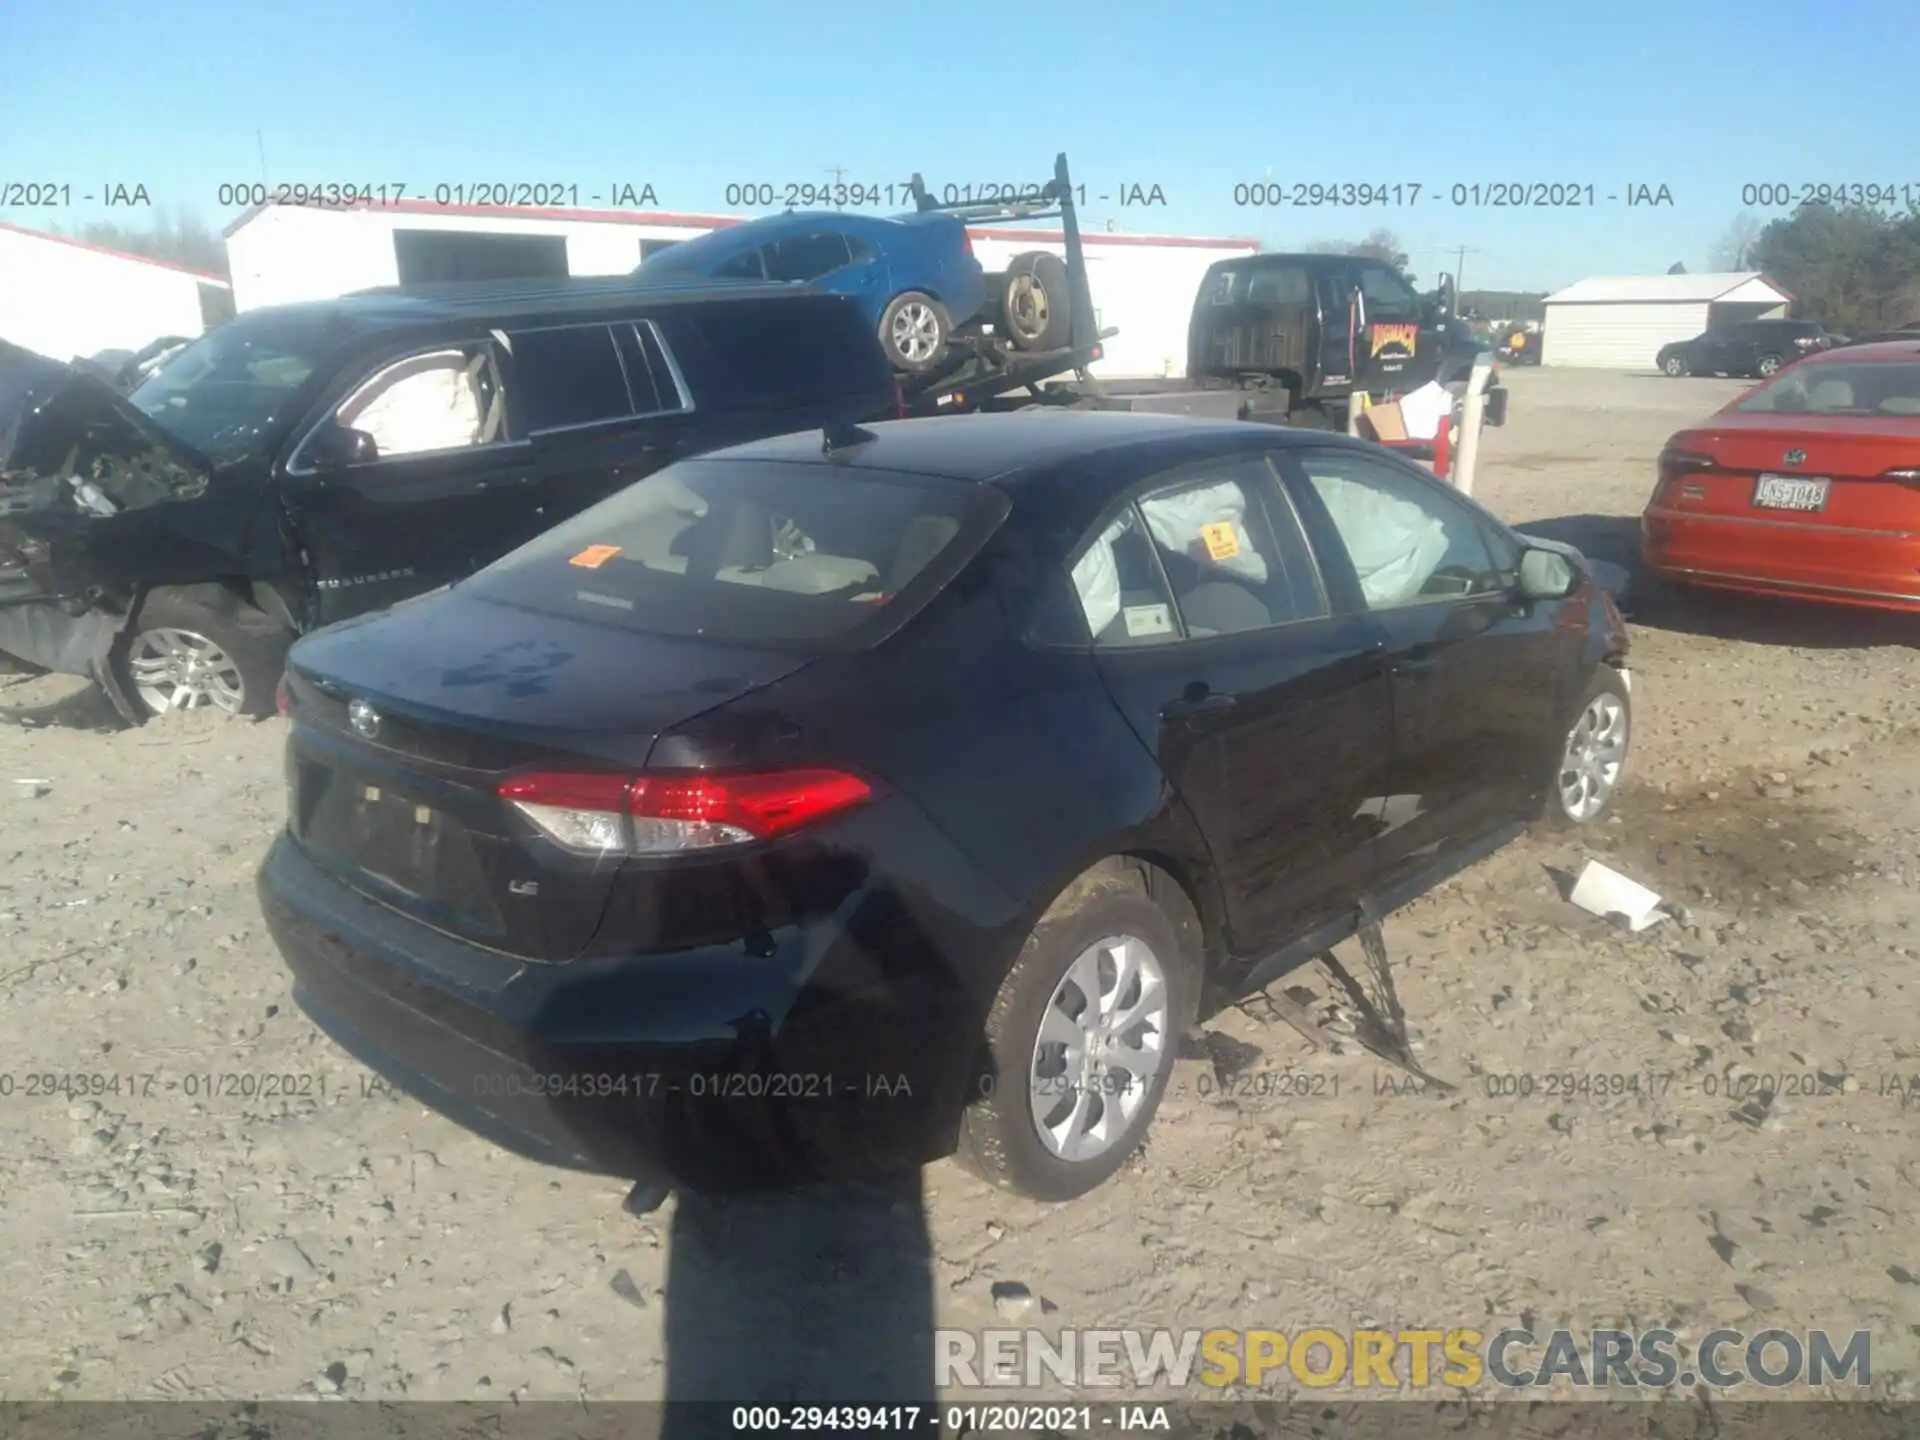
(283, 698)
(966, 242)
(610, 814)
(1677, 463)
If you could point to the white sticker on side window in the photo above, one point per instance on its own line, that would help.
(1148, 620)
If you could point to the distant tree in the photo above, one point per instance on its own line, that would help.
(1734, 249)
(1379, 245)
(1853, 268)
(1676, 268)
(181, 238)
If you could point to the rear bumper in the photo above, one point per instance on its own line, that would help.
(1877, 568)
(711, 1068)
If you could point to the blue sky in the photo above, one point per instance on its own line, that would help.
(1700, 97)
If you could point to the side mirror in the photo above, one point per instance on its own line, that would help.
(1547, 575)
(1494, 406)
(338, 447)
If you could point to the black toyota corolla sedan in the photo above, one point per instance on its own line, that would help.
(833, 803)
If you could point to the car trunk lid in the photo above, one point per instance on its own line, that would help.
(1861, 472)
(407, 724)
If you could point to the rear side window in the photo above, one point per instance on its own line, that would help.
(569, 376)
(761, 552)
(808, 257)
(788, 354)
(1214, 551)
(1279, 285)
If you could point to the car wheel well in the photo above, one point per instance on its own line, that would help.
(1159, 877)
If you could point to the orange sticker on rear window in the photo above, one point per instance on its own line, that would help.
(594, 556)
(1223, 541)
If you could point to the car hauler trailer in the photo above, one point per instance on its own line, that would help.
(1289, 339)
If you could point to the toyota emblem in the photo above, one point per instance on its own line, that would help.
(1794, 457)
(364, 719)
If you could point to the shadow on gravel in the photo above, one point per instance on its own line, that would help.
(814, 1295)
(1652, 604)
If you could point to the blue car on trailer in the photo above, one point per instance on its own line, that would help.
(915, 277)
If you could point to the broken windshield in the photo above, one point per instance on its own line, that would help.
(231, 393)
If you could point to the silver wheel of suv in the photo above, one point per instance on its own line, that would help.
(175, 669)
(1103, 1041)
(1596, 750)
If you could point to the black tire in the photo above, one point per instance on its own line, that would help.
(1674, 365)
(1554, 810)
(1035, 307)
(999, 1139)
(254, 643)
(1767, 367)
(914, 331)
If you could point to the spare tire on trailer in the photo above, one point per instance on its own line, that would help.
(1034, 304)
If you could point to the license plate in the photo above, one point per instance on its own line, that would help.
(1790, 492)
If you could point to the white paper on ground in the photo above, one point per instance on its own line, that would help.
(1603, 892)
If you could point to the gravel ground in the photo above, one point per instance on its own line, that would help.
(200, 1240)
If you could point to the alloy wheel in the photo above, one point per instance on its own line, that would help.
(1102, 1044)
(1596, 749)
(915, 332)
(182, 670)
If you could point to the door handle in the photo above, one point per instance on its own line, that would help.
(1187, 707)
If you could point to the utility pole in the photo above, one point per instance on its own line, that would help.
(838, 172)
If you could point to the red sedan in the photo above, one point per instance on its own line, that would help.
(1807, 485)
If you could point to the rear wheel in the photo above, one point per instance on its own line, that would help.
(1593, 757)
(1034, 305)
(202, 649)
(914, 331)
(1768, 367)
(1082, 1035)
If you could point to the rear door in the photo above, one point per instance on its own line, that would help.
(1723, 349)
(449, 487)
(1266, 710)
(599, 408)
(1474, 672)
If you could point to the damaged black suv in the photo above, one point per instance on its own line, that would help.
(306, 463)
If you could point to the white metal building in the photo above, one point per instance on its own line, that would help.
(66, 298)
(1619, 322)
(1142, 284)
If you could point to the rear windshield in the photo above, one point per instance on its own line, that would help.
(1871, 390)
(759, 552)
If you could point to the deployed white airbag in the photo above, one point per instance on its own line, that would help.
(1180, 523)
(1096, 578)
(425, 403)
(1396, 546)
